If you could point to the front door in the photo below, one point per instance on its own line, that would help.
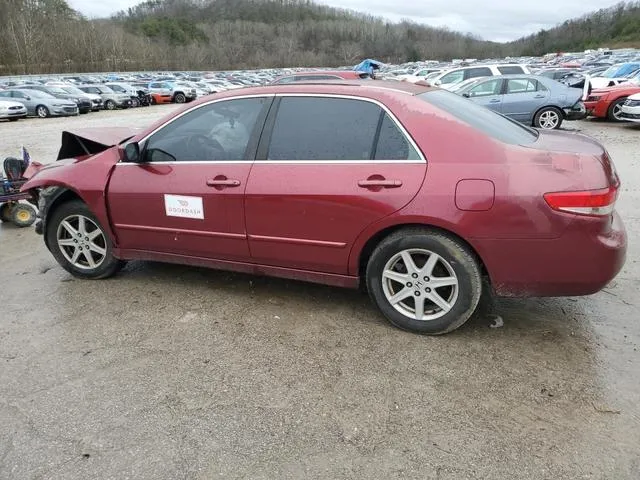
(488, 94)
(186, 195)
(327, 169)
(522, 98)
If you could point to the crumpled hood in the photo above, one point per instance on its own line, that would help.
(89, 141)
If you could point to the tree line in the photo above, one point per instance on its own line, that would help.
(48, 36)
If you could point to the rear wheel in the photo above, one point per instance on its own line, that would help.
(79, 243)
(424, 281)
(23, 215)
(615, 110)
(548, 118)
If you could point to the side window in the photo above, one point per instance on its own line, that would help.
(392, 143)
(154, 85)
(19, 95)
(5, 94)
(510, 70)
(453, 77)
(491, 87)
(315, 128)
(478, 72)
(218, 131)
(520, 85)
(540, 87)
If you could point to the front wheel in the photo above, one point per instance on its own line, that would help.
(180, 98)
(79, 243)
(135, 102)
(42, 111)
(110, 105)
(615, 110)
(424, 281)
(548, 118)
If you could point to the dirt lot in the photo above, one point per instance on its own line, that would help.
(168, 372)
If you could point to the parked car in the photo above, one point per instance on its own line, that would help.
(95, 99)
(449, 78)
(621, 70)
(630, 110)
(12, 111)
(110, 99)
(139, 95)
(41, 104)
(83, 102)
(154, 97)
(607, 102)
(249, 181)
(530, 99)
(320, 76)
(178, 93)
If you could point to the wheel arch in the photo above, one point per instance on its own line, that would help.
(364, 254)
(62, 195)
(535, 114)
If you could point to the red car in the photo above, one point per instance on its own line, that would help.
(321, 76)
(607, 102)
(417, 193)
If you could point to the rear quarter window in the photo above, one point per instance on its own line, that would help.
(480, 118)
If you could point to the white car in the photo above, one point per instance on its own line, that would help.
(419, 75)
(449, 78)
(12, 111)
(631, 109)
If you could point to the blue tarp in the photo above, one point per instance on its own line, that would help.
(368, 66)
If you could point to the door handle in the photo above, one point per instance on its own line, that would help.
(495, 100)
(222, 182)
(539, 96)
(380, 183)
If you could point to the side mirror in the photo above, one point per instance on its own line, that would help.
(437, 83)
(27, 97)
(132, 152)
(466, 95)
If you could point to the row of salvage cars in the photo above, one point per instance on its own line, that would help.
(66, 99)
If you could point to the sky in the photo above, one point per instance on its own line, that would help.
(498, 20)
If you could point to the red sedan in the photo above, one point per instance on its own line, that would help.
(607, 102)
(417, 193)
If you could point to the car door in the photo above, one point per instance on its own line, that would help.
(327, 168)
(26, 100)
(487, 93)
(522, 98)
(186, 194)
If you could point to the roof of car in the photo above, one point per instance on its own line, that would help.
(353, 87)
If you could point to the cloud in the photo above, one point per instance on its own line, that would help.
(499, 20)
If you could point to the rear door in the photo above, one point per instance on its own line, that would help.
(327, 168)
(186, 196)
(488, 94)
(522, 98)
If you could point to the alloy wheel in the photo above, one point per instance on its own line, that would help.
(82, 242)
(617, 112)
(42, 112)
(549, 120)
(420, 284)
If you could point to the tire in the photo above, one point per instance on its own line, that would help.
(104, 263)
(5, 212)
(23, 215)
(42, 111)
(548, 118)
(135, 102)
(14, 119)
(109, 105)
(453, 260)
(615, 109)
(179, 98)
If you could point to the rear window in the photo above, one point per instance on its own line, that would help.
(488, 122)
(509, 70)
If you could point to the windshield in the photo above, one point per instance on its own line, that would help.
(487, 121)
(38, 94)
(105, 89)
(117, 88)
(459, 86)
(611, 71)
(73, 90)
(56, 90)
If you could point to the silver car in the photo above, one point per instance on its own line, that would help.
(12, 111)
(111, 99)
(41, 104)
(530, 99)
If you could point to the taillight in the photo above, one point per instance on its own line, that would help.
(588, 202)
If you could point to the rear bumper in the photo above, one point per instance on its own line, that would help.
(581, 262)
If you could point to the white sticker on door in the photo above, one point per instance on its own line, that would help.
(185, 207)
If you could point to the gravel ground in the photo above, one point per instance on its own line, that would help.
(169, 372)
